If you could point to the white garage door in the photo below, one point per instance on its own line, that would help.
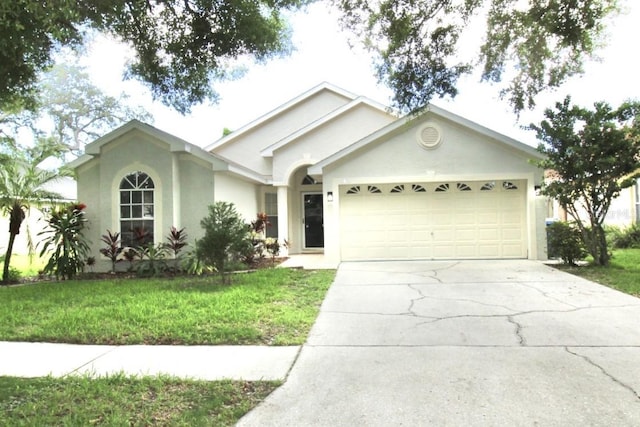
(449, 220)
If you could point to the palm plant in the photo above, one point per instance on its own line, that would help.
(21, 187)
(65, 238)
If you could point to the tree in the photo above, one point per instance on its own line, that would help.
(79, 110)
(594, 154)
(225, 235)
(537, 45)
(180, 46)
(22, 182)
(69, 109)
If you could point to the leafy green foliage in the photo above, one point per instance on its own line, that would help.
(537, 46)
(79, 110)
(565, 242)
(225, 236)
(31, 31)
(22, 182)
(64, 236)
(180, 47)
(594, 155)
(152, 260)
(626, 238)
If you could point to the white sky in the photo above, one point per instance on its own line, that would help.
(323, 54)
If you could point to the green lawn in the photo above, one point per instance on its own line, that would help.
(270, 307)
(623, 273)
(123, 401)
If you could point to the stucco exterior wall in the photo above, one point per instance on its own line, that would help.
(192, 195)
(184, 187)
(462, 152)
(89, 193)
(243, 194)
(246, 148)
(462, 155)
(33, 224)
(327, 139)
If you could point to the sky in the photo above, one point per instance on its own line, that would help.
(323, 54)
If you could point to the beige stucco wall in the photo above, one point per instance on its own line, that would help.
(245, 149)
(246, 196)
(462, 155)
(327, 139)
(184, 187)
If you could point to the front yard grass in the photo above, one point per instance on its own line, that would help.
(270, 307)
(125, 401)
(622, 274)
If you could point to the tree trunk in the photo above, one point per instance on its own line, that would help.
(7, 259)
(596, 242)
(16, 216)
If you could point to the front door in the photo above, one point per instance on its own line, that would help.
(313, 220)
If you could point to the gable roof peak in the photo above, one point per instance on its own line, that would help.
(324, 86)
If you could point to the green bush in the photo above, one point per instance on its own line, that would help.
(627, 238)
(225, 237)
(565, 242)
(613, 233)
(64, 237)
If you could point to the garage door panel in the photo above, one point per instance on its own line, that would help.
(441, 217)
(466, 251)
(449, 224)
(485, 234)
(488, 251)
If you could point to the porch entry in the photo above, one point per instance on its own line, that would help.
(313, 221)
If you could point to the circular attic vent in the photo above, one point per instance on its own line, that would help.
(429, 135)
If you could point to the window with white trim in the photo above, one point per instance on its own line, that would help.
(271, 209)
(136, 209)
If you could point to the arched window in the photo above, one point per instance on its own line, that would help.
(136, 209)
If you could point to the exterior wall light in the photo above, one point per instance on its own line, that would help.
(329, 196)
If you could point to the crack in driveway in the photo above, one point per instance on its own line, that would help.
(604, 371)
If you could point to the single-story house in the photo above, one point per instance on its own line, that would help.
(337, 174)
(35, 219)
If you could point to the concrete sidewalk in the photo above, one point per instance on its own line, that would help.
(250, 363)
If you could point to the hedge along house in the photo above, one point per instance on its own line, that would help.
(336, 174)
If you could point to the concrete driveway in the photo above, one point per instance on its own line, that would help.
(464, 343)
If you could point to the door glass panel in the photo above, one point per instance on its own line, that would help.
(313, 221)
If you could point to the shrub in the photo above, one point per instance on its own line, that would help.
(627, 238)
(565, 242)
(273, 247)
(176, 242)
(65, 237)
(152, 260)
(225, 236)
(112, 250)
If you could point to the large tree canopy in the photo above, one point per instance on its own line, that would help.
(594, 154)
(180, 46)
(68, 109)
(79, 111)
(533, 45)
